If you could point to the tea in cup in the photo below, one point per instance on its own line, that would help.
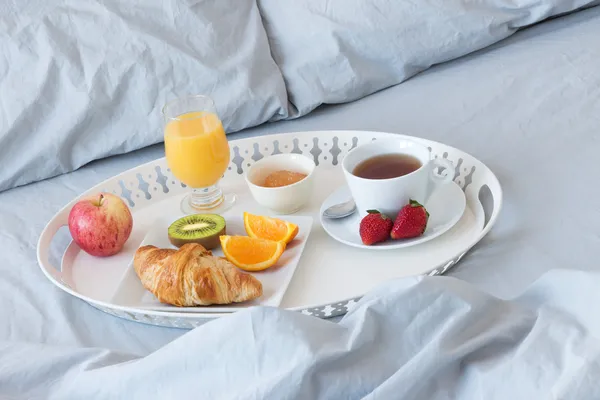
(385, 174)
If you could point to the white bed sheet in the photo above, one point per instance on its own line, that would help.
(528, 107)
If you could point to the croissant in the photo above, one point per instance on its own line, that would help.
(192, 276)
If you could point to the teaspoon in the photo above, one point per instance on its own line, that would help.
(340, 210)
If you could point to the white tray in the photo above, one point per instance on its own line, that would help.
(330, 276)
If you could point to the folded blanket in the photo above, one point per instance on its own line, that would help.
(416, 338)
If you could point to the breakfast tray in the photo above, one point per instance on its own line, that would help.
(330, 277)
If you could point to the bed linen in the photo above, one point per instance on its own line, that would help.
(83, 79)
(529, 107)
(340, 50)
(417, 338)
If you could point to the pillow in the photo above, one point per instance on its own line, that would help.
(82, 79)
(337, 51)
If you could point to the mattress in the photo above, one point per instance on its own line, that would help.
(528, 107)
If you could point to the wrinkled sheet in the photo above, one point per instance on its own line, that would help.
(85, 79)
(416, 338)
(536, 128)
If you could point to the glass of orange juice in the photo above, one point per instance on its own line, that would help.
(197, 152)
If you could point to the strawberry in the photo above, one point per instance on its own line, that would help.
(410, 222)
(375, 227)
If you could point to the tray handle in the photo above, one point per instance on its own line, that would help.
(43, 247)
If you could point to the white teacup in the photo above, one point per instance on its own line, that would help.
(389, 195)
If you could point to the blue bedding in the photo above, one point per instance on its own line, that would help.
(527, 106)
(83, 80)
(417, 338)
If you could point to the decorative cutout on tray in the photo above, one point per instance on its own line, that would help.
(276, 148)
(238, 160)
(443, 268)
(486, 198)
(457, 166)
(335, 151)
(468, 178)
(143, 186)
(126, 193)
(296, 149)
(161, 179)
(257, 155)
(316, 151)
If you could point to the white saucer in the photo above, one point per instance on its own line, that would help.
(446, 206)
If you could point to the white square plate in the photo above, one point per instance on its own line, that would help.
(275, 280)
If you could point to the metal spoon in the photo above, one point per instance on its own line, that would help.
(340, 210)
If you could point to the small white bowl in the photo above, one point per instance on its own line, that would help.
(285, 199)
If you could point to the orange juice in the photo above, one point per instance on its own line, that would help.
(196, 148)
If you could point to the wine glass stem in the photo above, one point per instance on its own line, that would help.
(206, 198)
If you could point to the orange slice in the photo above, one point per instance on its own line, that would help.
(251, 254)
(269, 228)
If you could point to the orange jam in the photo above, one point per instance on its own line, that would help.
(283, 178)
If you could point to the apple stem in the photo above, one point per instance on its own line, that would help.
(101, 199)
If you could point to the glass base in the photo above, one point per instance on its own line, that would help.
(207, 201)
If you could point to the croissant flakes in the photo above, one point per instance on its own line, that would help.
(192, 276)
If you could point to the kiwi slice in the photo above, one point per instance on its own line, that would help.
(203, 229)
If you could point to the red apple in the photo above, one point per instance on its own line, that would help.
(100, 224)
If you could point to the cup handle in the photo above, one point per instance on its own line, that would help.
(435, 180)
